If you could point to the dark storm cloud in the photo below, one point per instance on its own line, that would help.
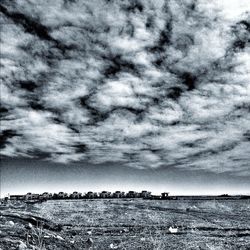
(145, 83)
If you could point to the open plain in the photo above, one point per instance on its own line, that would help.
(126, 224)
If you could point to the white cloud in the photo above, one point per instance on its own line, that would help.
(153, 85)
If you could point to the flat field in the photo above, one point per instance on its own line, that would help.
(126, 224)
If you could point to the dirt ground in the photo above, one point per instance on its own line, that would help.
(126, 224)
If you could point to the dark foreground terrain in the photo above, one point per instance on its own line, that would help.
(126, 224)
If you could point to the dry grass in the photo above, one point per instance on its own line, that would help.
(36, 238)
(137, 224)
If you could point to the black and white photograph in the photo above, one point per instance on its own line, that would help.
(125, 124)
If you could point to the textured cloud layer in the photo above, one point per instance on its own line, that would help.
(144, 83)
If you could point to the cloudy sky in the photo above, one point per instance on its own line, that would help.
(147, 85)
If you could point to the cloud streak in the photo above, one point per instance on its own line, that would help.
(145, 84)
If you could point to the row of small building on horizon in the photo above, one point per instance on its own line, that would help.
(89, 195)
